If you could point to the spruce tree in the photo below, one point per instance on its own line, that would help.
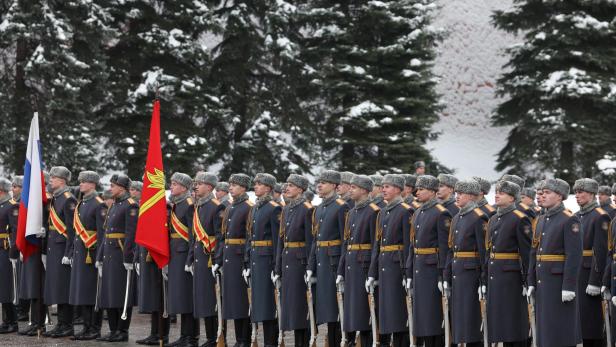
(559, 87)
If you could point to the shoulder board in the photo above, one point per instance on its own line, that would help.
(49, 196)
(374, 206)
(215, 201)
(282, 203)
(567, 212)
(524, 206)
(519, 214)
(405, 205)
(307, 204)
(613, 205)
(131, 201)
(600, 210)
(440, 207)
(99, 200)
(478, 212)
(416, 204)
(189, 201)
(250, 203)
(12, 202)
(537, 209)
(489, 207)
(340, 202)
(274, 203)
(68, 195)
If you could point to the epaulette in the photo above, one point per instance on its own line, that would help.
(613, 205)
(99, 200)
(416, 204)
(249, 203)
(68, 195)
(405, 205)
(131, 201)
(307, 204)
(374, 206)
(215, 201)
(600, 210)
(189, 201)
(478, 212)
(49, 196)
(519, 213)
(440, 207)
(282, 203)
(340, 202)
(274, 203)
(537, 209)
(567, 212)
(12, 202)
(524, 206)
(489, 207)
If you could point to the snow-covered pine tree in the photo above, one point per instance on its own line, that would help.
(56, 68)
(157, 47)
(253, 73)
(370, 62)
(560, 87)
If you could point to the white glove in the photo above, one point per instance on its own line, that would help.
(567, 295)
(530, 290)
(215, 268)
(440, 286)
(65, 261)
(481, 291)
(138, 269)
(370, 284)
(614, 300)
(340, 283)
(99, 267)
(593, 290)
(129, 266)
(188, 268)
(13, 261)
(21, 257)
(165, 272)
(308, 278)
(246, 275)
(44, 261)
(407, 283)
(446, 289)
(275, 279)
(605, 293)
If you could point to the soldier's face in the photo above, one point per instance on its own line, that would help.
(56, 182)
(407, 191)
(293, 191)
(425, 195)
(604, 199)
(540, 197)
(358, 194)
(390, 192)
(462, 199)
(343, 188)
(16, 191)
(526, 200)
(116, 190)
(220, 194)
(376, 191)
(135, 193)
(177, 189)
(236, 190)
(444, 192)
(262, 189)
(86, 187)
(202, 189)
(551, 199)
(582, 198)
(276, 195)
(503, 199)
(325, 189)
(420, 171)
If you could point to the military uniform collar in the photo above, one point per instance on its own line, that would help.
(468, 208)
(500, 211)
(264, 200)
(204, 200)
(296, 202)
(17, 199)
(449, 201)
(482, 202)
(429, 204)
(328, 200)
(179, 198)
(393, 203)
(240, 199)
(377, 199)
(588, 207)
(122, 197)
(606, 205)
(361, 204)
(555, 210)
(346, 196)
(60, 191)
(89, 196)
(224, 198)
(5, 198)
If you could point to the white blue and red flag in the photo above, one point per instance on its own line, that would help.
(33, 197)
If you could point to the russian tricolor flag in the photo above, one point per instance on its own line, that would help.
(30, 223)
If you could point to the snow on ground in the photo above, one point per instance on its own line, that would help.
(470, 60)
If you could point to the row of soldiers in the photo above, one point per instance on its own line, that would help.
(350, 263)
